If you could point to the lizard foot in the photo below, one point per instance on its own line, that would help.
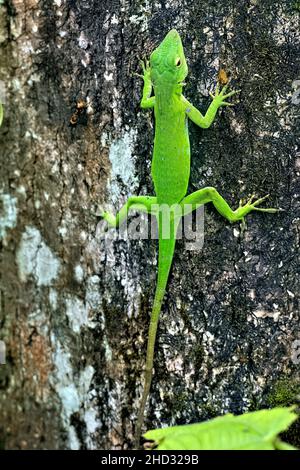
(220, 96)
(250, 206)
(145, 66)
(109, 218)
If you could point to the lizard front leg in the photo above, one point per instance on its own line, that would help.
(210, 194)
(148, 101)
(219, 99)
(139, 203)
(146, 204)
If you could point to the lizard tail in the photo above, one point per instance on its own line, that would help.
(165, 257)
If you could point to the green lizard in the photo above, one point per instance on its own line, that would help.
(170, 172)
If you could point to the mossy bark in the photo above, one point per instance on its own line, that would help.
(75, 305)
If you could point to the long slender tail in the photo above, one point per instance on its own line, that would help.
(165, 257)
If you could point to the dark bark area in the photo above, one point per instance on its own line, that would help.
(75, 306)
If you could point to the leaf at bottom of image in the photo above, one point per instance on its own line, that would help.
(256, 430)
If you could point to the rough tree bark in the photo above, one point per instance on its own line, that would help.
(74, 307)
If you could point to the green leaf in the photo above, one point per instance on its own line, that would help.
(250, 431)
(1, 114)
(280, 445)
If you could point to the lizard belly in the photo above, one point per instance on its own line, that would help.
(171, 164)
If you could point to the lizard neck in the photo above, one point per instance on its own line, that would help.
(166, 96)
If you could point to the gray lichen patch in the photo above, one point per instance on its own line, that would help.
(8, 214)
(123, 174)
(80, 311)
(77, 313)
(73, 390)
(34, 258)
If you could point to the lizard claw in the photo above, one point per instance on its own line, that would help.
(224, 88)
(142, 65)
(249, 202)
(231, 93)
(259, 201)
(145, 65)
(221, 96)
(250, 206)
(99, 212)
(225, 103)
(137, 75)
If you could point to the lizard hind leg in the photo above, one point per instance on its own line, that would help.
(210, 194)
(146, 204)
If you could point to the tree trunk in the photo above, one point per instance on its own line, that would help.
(75, 303)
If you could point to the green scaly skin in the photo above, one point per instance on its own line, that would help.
(171, 170)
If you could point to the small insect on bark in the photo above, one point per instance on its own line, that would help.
(80, 107)
(223, 77)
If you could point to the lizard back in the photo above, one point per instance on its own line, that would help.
(171, 153)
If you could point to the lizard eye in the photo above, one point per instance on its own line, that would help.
(178, 62)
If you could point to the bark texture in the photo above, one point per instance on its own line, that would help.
(75, 305)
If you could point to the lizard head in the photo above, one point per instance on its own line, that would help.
(167, 61)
